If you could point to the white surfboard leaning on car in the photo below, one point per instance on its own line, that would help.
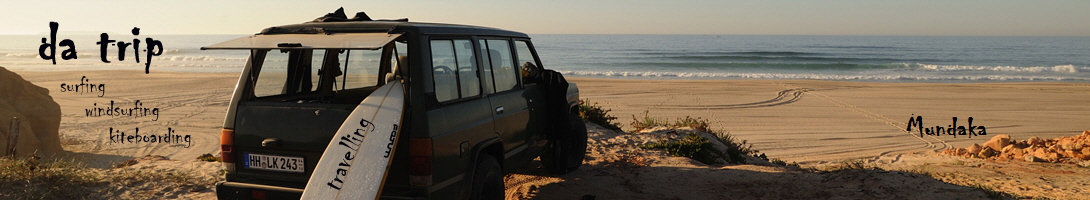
(355, 162)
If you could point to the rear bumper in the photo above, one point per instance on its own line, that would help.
(245, 191)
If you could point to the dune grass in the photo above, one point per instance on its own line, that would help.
(694, 146)
(27, 178)
(595, 114)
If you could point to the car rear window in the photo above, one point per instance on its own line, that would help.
(298, 71)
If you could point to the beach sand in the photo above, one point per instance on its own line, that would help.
(807, 121)
(813, 121)
(802, 121)
(190, 104)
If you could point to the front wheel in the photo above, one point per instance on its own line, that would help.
(566, 151)
(487, 179)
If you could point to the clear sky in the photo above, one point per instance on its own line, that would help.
(719, 17)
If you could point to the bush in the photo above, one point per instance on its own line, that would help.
(595, 114)
(850, 165)
(646, 122)
(697, 123)
(736, 151)
(209, 158)
(692, 146)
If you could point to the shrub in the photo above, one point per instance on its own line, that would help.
(692, 146)
(695, 123)
(645, 122)
(208, 158)
(850, 165)
(736, 151)
(595, 114)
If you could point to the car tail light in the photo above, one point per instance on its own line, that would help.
(227, 149)
(420, 162)
(258, 195)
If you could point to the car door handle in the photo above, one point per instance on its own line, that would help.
(499, 110)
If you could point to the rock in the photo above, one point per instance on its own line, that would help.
(960, 152)
(207, 157)
(1086, 133)
(973, 149)
(39, 117)
(1080, 155)
(1040, 153)
(1035, 141)
(198, 188)
(1069, 154)
(1055, 148)
(1051, 157)
(1085, 163)
(1031, 158)
(1086, 151)
(998, 142)
(987, 152)
(955, 152)
(1014, 151)
(1067, 143)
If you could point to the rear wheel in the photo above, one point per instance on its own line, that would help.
(567, 150)
(487, 179)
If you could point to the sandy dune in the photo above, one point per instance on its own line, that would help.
(190, 104)
(615, 168)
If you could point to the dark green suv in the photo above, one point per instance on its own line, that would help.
(478, 105)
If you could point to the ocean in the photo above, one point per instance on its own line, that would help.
(845, 58)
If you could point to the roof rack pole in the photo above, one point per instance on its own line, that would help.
(344, 77)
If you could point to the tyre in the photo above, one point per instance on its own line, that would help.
(487, 179)
(567, 150)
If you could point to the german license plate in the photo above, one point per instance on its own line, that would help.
(271, 162)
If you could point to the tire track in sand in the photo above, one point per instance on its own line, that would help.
(877, 117)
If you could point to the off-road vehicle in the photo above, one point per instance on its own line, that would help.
(478, 105)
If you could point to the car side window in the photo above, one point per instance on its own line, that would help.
(504, 73)
(454, 73)
(527, 65)
(486, 69)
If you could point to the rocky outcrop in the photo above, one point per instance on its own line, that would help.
(39, 117)
(1068, 149)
